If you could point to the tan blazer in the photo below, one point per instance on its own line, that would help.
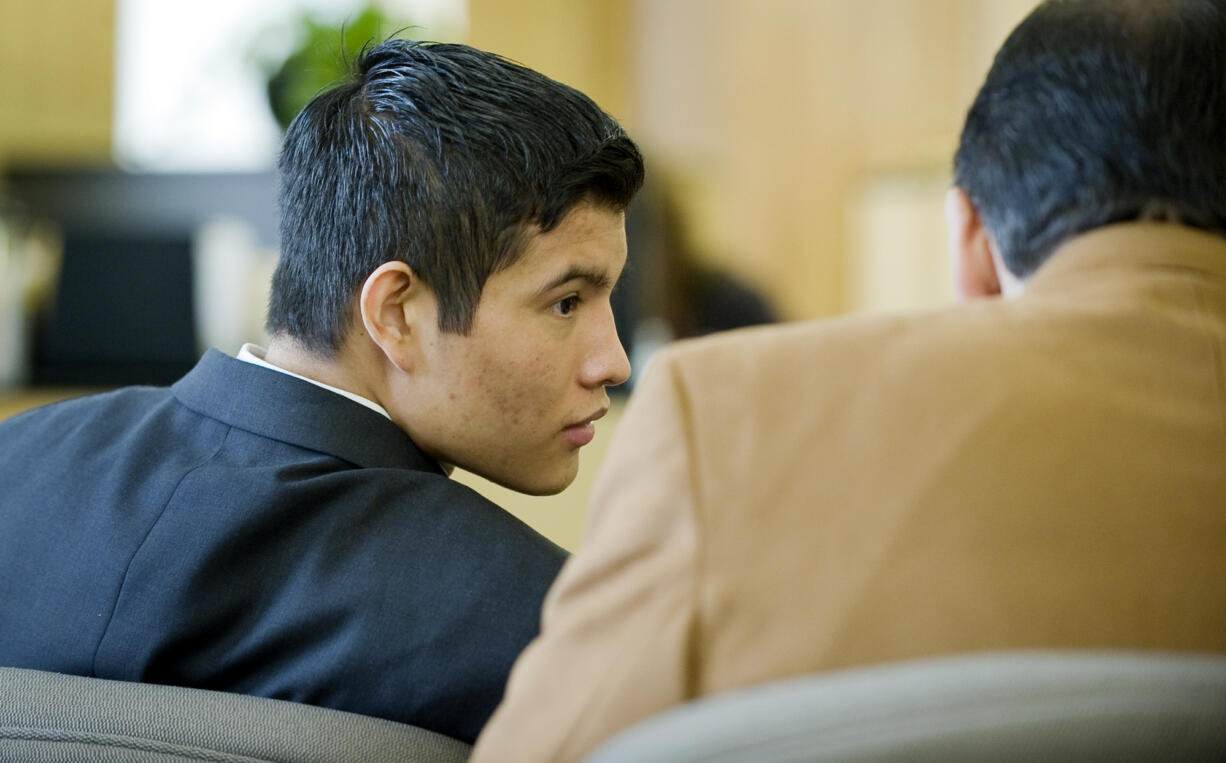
(1045, 471)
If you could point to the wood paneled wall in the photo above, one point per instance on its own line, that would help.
(56, 80)
(584, 43)
(777, 113)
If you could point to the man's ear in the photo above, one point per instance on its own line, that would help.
(970, 248)
(392, 304)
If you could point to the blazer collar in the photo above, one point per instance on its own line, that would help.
(280, 407)
(1132, 246)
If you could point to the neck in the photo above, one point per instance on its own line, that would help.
(340, 370)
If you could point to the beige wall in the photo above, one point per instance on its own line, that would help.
(778, 114)
(56, 80)
(583, 43)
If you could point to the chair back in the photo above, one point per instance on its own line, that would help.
(48, 717)
(1003, 706)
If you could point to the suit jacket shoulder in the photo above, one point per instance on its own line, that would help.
(251, 532)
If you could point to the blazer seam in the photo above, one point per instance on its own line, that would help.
(693, 636)
(1219, 357)
(93, 667)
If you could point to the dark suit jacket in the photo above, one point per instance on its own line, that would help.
(247, 531)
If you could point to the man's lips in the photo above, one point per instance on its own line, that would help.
(581, 432)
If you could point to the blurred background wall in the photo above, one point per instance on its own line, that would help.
(57, 64)
(804, 145)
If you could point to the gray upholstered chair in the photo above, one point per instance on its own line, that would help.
(1005, 706)
(53, 717)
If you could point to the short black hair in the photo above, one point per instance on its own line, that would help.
(441, 156)
(1095, 112)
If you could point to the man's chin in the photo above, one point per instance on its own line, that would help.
(543, 487)
(544, 482)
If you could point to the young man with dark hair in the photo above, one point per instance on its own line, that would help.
(1039, 471)
(282, 524)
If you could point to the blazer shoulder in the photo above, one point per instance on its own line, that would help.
(757, 354)
(485, 523)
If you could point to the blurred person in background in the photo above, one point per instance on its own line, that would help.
(679, 285)
(670, 289)
(1039, 467)
(282, 523)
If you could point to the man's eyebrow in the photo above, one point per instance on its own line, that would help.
(597, 278)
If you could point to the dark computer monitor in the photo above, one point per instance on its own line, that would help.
(122, 311)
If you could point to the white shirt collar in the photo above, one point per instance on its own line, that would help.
(254, 354)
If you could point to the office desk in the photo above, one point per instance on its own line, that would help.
(14, 401)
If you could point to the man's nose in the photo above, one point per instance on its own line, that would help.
(606, 364)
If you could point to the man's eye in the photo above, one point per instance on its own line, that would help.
(566, 306)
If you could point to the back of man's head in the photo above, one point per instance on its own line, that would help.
(1099, 111)
(443, 157)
